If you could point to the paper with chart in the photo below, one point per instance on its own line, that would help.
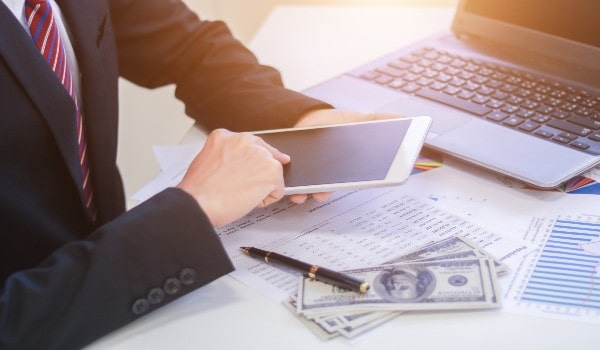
(354, 229)
(561, 278)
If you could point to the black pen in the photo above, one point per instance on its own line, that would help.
(315, 272)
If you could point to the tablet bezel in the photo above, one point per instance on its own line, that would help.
(399, 169)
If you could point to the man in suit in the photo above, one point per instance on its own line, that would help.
(74, 264)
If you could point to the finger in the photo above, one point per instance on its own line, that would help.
(298, 198)
(321, 196)
(269, 200)
(274, 196)
(280, 156)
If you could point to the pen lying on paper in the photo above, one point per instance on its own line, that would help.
(322, 274)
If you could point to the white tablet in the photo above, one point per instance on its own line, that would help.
(349, 156)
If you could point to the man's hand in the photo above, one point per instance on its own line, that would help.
(233, 174)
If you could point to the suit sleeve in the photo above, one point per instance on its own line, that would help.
(156, 252)
(220, 81)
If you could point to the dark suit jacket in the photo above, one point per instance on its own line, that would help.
(66, 281)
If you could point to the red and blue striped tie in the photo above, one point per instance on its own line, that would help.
(44, 32)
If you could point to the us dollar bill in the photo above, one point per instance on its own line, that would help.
(428, 285)
(450, 248)
(351, 325)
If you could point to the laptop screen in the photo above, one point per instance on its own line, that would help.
(574, 20)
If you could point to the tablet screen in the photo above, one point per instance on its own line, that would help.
(339, 154)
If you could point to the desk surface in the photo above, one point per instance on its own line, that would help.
(310, 44)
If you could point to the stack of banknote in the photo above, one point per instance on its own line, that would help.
(451, 274)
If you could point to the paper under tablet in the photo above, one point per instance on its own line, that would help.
(349, 156)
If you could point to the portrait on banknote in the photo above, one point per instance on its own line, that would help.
(407, 283)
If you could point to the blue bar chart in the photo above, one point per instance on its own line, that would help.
(564, 273)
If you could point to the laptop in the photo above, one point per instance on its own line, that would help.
(513, 86)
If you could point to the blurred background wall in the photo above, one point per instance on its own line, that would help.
(245, 16)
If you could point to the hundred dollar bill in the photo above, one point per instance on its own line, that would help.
(430, 285)
(355, 330)
(337, 322)
(316, 328)
(349, 326)
(450, 248)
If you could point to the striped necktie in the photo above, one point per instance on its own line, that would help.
(44, 32)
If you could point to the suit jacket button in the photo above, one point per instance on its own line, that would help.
(188, 276)
(156, 295)
(140, 306)
(172, 286)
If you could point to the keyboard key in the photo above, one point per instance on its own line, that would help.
(552, 102)
(570, 107)
(392, 72)
(480, 99)
(424, 62)
(383, 79)
(457, 82)
(370, 75)
(540, 118)
(544, 133)
(396, 84)
(545, 109)
(580, 145)
(528, 125)
(586, 122)
(508, 88)
(589, 102)
(569, 127)
(466, 95)
(484, 90)
(515, 100)
(510, 109)
(410, 59)
(496, 116)
(530, 104)
(451, 90)
(471, 86)
(595, 136)
(411, 87)
(568, 135)
(443, 77)
(495, 104)
(453, 101)
(478, 79)
(400, 65)
(560, 114)
(498, 95)
(493, 84)
(537, 97)
(512, 121)
(586, 112)
(436, 85)
(416, 70)
(561, 139)
(522, 92)
(525, 113)
(424, 81)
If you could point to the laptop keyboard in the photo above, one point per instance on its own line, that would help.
(544, 108)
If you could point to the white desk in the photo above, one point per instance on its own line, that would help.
(309, 44)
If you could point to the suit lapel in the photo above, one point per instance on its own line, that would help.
(40, 83)
(92, 40)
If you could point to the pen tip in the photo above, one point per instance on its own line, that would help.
(245, 249)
